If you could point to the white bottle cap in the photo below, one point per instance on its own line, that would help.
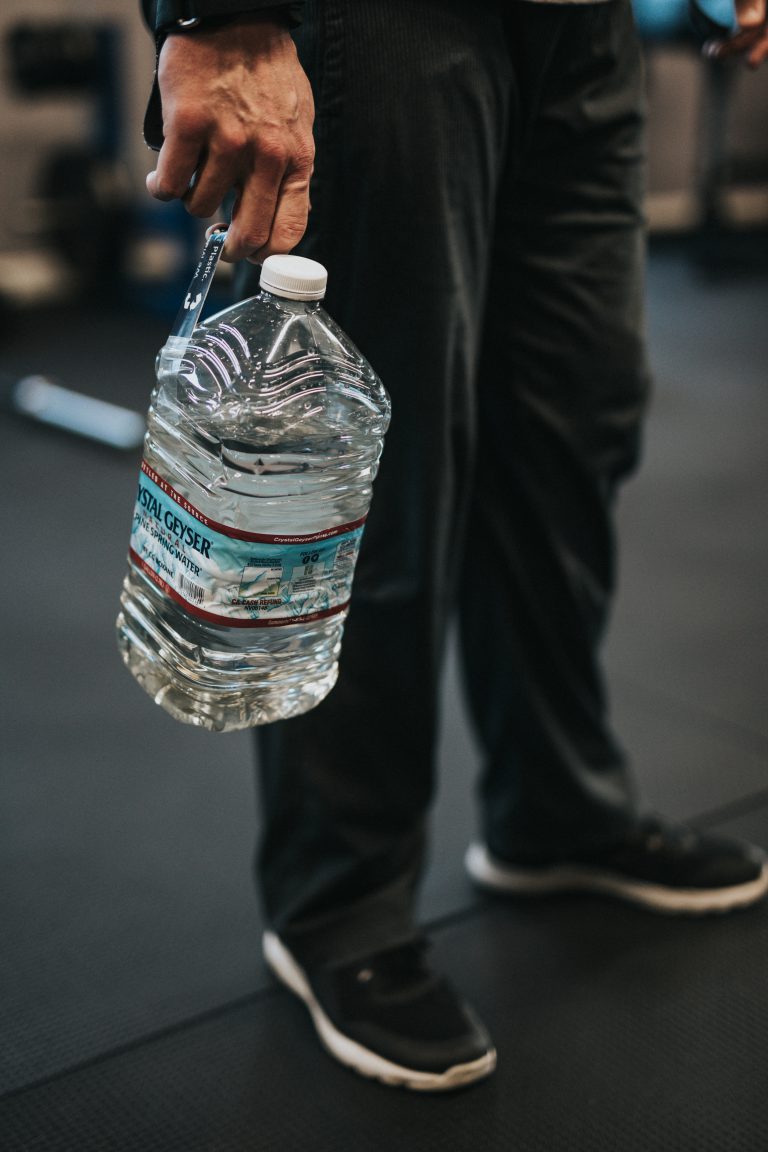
(294, 277)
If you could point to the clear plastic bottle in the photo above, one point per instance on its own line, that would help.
(264, 435)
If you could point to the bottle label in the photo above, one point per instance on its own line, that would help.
(237, 578)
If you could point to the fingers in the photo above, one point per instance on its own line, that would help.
(267, 220)
(271, 185)
(272, 205)
(271, 209)
(750, 43)
(211, 183)
(176, 165)
(759, 52)
(251, 223)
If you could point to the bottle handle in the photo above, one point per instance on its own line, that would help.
(184, 325)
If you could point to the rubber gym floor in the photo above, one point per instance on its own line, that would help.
(136, 1014)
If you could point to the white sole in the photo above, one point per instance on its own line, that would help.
(497, 876)
(355, 1055)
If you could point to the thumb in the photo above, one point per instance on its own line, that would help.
(152, 187)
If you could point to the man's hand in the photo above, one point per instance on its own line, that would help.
(237, 115)
(751, 39)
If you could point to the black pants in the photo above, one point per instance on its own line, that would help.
(476, 200)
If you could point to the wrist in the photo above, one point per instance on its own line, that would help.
(217, 27)
(217, 45)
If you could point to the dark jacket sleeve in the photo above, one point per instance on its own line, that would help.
(163, 15)
(175, 16)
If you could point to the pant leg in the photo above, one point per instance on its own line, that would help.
(412, 109)
(562, 390)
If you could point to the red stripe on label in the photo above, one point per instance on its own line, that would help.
(227, 621)
(239, 533)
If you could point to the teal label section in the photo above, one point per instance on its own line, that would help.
(238, 578)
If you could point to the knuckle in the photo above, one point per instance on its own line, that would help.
(273, 151)
(229, 143)
(287, 233)
(284, 236)
(252, 238)
(304, 156)
(185, 123)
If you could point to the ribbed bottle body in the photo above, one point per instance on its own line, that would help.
(262, 445)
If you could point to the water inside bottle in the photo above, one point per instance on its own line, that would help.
(270, 424)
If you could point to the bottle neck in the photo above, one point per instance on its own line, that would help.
(291, 305)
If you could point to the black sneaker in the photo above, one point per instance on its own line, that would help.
(389, 1017)
(662, 866)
